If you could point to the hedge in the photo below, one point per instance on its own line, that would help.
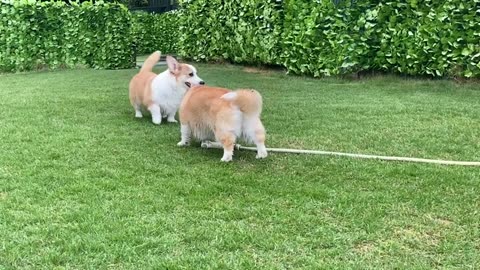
(246, 31)
(152, 32)
(439, 38)
(325, 38)
(328, 37)
(36, 34)
(317, 37)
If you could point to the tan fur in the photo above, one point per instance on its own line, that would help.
(207, 111)
(141, 84)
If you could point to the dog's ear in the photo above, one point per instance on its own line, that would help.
(173, 65)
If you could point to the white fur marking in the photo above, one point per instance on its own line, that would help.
(227, 156)
(167, 93)
(195, 80)
(186, 133)
(230, 96)
(171, 118)
(156, 114)
(261, 151)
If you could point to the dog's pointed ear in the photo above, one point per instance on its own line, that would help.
(172, 63)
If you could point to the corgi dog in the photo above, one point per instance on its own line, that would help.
(161, 93)
(213, 113)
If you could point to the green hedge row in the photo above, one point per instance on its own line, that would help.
(153, 32)
(36, 34)
(324, 38)
(328, 37)
(321, 37)
(245, 31)
(439, 38)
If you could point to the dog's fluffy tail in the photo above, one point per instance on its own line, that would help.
(151, 61)
(249, 101)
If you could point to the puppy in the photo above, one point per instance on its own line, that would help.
(161, 94)
(217, 113)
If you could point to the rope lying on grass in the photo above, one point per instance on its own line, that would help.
(217, 145)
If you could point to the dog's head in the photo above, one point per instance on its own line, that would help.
(185, 74)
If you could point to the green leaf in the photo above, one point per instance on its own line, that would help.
(466, 52)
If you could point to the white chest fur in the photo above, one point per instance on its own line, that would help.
(167, 93)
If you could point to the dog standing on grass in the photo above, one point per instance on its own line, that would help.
(162, 94)
(217, 113)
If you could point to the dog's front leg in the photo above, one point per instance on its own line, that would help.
(186, 135)
(259, 140)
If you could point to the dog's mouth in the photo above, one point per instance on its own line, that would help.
(188, 84)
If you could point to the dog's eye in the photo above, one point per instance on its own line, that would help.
(191, 74)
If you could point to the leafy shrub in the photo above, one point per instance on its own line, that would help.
(327, 37)
(324, 38)
(438, 38)
(152, 32)
(36, 34)
(318, 37)
(203, 30)
(245, 31)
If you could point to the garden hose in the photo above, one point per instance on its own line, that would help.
(217, 145)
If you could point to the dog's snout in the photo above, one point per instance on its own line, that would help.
(202, 82)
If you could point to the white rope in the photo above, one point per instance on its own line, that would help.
(217, 145)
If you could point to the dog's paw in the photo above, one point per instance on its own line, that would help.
(172, 121)
(226, 159)
(261, 154)
(182, 144)
(227, 156)
(206, 144)
(157, 121)
(138, 115)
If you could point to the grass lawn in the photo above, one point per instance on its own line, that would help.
(85, 185)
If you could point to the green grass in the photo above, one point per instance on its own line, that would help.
(85, 185)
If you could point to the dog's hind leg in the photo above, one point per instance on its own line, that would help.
(171, 118)
(136, 105)
(260, 142)
(228, 140)
(138, 112)
(255, 132)
(170, 114)
(156, 113)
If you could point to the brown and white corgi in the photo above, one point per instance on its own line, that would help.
(213, 113)
(161, 93)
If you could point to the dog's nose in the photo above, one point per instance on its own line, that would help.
(202, 83)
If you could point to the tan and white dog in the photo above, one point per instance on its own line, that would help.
(161, 94)
(212, 113)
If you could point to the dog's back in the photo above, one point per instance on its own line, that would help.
(204, 103)
(201, 103)
(199, 108)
